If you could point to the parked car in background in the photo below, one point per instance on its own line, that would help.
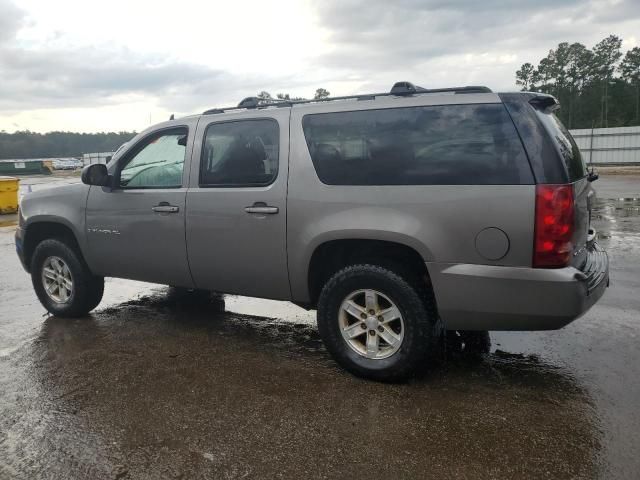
(67, 163)
(397, 216)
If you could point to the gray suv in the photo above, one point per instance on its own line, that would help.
(396, 215)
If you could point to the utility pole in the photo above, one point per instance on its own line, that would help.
(604, 89)
(591, 145)
(606, 103)
(638, 102)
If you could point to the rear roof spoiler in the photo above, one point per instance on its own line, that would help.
(544, 102)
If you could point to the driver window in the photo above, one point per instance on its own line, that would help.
(159, 163)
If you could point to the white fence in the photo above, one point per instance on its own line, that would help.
(99, 157)
(619, 145)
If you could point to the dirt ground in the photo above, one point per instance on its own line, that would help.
(158, 385)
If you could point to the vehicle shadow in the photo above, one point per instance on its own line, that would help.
(163, 388)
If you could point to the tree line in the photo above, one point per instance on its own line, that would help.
(265, 97)
(597, 87)
(26, 144)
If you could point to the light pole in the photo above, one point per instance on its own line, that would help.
(604, 112)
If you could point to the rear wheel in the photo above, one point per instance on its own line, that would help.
(62, 281)
(378, 323)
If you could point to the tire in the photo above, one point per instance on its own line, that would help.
(418, 326)
(86, 289)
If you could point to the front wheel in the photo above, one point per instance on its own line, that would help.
(378, 323)
(62, 281)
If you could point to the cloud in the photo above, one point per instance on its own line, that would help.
(50, 78)
(57, 77)
(11, 19)
(373, 36)
(175, 62)
(43, 77)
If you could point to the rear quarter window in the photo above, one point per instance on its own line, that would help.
(434, 145)
(569, 151)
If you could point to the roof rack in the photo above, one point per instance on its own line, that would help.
(399, 89)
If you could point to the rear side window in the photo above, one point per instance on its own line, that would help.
(435, 145)
(240, 154)
(573, 162)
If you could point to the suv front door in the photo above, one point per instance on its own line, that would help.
(135, 228)
(236, 215)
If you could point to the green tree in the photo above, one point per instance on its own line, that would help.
(630, 70)
(606, 55)
(264, 97)
(320, 94)
(286, 96)
(525, 76)
(577, 72)
(584, 81)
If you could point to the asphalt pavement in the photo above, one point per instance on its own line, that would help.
(154, 384)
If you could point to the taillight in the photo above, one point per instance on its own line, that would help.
(554, 226)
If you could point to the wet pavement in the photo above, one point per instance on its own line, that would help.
(156, 385)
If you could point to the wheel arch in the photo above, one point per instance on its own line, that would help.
(38, 230)
(331, 255)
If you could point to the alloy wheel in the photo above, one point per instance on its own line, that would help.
(371, 324)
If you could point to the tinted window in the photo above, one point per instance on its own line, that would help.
(158, 163)
(570, 152)
(240, 153)
(453, 144)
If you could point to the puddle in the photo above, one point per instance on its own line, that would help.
(617, 222)
(160, 387)
(609, 209)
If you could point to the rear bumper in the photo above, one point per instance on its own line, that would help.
(485, 297)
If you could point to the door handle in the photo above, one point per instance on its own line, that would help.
(262, 208)
(165, 207)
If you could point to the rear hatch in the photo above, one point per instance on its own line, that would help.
(585, 255)
(584, 194)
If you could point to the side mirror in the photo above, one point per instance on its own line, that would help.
(96, 174)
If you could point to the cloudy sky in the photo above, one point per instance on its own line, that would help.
(87, 65)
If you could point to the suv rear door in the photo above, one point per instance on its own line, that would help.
(237, 201)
